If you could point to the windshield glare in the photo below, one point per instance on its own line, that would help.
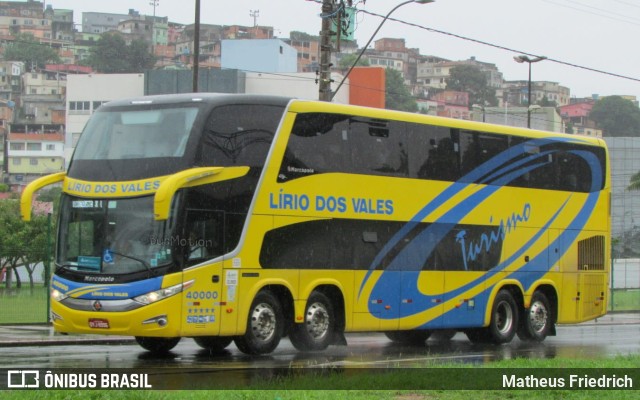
(112, 236)
(117, 135)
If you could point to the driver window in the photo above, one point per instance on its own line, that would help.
(203, 235)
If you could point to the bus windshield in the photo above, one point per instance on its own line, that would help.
(136, 133)
(112, 236)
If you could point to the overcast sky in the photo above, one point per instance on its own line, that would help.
(594, 34)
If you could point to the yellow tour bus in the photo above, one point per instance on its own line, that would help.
(249, 218)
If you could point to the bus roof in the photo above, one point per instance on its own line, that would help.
(210, 98)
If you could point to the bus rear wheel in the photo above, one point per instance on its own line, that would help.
(316, 331)
(504, 318)
(157, 345)
(213, 343)
(412, 338)
(265, 326)
(537, 320)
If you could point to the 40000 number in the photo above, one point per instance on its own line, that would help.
(202, 295)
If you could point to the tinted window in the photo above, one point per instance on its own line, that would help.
(239, 135)
(321, 143)
(433, 152)
(318, 144)
(378, 147)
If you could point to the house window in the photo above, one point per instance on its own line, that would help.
(33, 161)
(16, 161)
(16, 146)
(34, 146)
(51, 147)
(79, 106)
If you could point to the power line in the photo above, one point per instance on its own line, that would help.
(621, 17)
(500, 47)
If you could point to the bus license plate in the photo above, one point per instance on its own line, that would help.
(98, 323)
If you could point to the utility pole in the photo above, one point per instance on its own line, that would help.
(196, 48)
(324, 72)
(255, 14)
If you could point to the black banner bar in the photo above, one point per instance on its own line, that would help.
(335, 378)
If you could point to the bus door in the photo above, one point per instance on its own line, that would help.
(200, 243)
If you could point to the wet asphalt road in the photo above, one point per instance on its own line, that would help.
(588, 340)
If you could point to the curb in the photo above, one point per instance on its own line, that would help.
(66, 342)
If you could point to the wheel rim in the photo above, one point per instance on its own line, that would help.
(263, 322)
(538, 316)
(317, 321)
(504, 318)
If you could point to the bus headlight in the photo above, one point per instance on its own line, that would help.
(160, 294)
(58, 295)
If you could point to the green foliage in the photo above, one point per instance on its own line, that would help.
(617, 117)
(22, 244)
(112, 55)
(398, 96)
(545, 102)
(348, 59)
(634, 182)
(471, 79)
(27, 49)
(4, 188)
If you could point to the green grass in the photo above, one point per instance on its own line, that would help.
(317, 384)
(24, 305)
(625, 300)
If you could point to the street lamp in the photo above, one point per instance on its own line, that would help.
(371, 39)
(524, 59)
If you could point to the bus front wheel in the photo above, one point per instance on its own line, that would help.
(265, 326)
(504, 318)
(316, 331)
(157, 345)
(537, 321)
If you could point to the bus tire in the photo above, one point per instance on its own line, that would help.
(537, 321)
(316, 331)
(411, 338)
(504, 318)
(265, 326)
(157, 345)
(213, 343)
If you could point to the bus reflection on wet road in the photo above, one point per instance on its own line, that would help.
(364, 351)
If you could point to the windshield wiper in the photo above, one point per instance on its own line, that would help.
(64, 267)
(134, 259)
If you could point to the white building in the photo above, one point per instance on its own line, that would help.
(85, 93)
(299, 85)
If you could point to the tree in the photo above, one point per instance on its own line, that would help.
(471, 79)
(348, 59)
(634, 182)
(616, 117)
(27, 49)
(22, 244)
(398, 96)
(111, 55)
(139, 57)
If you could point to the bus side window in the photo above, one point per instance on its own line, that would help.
(378, 147)
(433, 152)
(318, 144)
